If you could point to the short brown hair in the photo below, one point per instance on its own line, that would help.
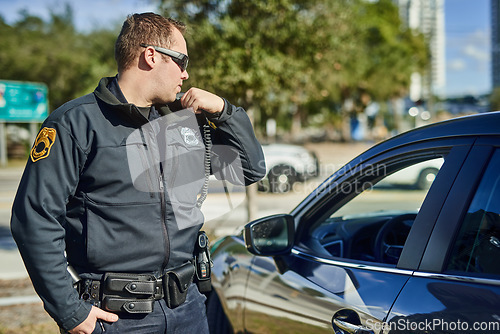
(147, 28)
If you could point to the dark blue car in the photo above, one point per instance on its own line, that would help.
(361, 255)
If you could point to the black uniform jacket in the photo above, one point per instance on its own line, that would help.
(106, 190)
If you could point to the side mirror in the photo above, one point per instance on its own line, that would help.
(270, 236)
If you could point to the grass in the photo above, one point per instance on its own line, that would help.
(15, 163)
(26, 318)
(44, 328)
(23, 318)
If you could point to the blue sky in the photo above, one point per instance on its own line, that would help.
(467, 26)
(88, 14)
(468, 50)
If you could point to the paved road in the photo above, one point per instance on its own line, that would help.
(222, 217)
(10, 263)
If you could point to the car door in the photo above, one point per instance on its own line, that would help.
(333, 278)
(231, 265)
(456, 288)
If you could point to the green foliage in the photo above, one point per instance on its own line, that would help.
(395, 53)
(283, 59)
(495, 99)
(296, 58)
(53, 52)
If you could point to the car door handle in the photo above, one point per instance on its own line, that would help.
(346, 327)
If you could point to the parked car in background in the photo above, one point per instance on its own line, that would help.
(418, 176)
(285, 165)
(357, 258)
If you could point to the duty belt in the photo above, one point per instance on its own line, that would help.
(136, 293)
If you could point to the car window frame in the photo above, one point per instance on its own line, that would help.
(441, 241)
(455, 150)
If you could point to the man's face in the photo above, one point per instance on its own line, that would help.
(170, 76)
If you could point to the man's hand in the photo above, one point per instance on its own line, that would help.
(199, 100)
(88, 325)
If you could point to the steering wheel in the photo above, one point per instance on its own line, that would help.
(388, 246)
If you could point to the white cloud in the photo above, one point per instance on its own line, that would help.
(478, 53)
(476, 47)
(457, 64)
(469, 52)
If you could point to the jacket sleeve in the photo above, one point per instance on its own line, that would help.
(237, 155)
(38, 218)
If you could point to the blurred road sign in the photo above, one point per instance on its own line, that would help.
(23, 101)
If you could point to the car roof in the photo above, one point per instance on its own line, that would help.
(484, 124)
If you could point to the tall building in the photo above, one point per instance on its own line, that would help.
(427, 16)
(495, 43)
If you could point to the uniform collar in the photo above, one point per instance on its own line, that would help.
(109, 92)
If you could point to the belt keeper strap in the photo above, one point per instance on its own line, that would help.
(117, 304)
(143, 288)
(133, 284)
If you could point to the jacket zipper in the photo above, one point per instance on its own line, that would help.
(163, 219)
(163, 206)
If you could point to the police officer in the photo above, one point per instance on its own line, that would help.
(112, 189)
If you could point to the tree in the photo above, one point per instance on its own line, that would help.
(495, 99)
(246, 50)
(53, 52)
(289, 59)
(390, 53)
(281, 59)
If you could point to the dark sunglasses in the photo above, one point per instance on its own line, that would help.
(179, 58)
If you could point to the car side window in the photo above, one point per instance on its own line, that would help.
(477, 246)
(403, 190)
(373, 225)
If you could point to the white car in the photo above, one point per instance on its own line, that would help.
(285, 165)
(419, 176)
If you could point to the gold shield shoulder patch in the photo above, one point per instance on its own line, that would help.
(44, 141)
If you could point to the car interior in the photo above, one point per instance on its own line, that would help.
(374, 222)
(378, 238)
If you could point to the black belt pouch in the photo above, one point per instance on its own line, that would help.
(130, 293)
(176, 283)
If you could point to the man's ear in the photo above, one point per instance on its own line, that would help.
(150, 57)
